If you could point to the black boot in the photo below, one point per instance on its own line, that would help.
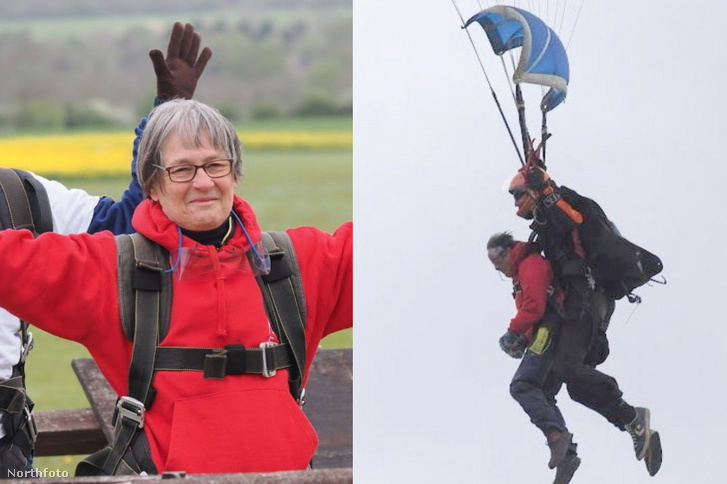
(567, 467)
(559, 448)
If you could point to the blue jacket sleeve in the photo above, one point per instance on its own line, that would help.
(116, 216)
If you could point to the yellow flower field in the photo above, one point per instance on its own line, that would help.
(98, 154)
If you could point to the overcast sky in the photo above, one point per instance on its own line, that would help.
(642, 131)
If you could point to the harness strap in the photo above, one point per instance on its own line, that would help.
(13, 398)
(147, 282)
(218, 362)
(18, 420)
(282, 290)
(16, 198)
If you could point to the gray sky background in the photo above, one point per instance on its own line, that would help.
(642, 131)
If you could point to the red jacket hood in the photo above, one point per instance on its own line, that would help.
(151, 221)
(518, 252)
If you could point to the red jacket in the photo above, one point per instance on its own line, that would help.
(532, 275)
(243, 423)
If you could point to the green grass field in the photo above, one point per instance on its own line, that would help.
(286, 189)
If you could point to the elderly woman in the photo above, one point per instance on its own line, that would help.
(189, 165)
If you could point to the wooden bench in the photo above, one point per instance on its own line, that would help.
(329, 406)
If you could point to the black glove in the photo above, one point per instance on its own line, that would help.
(514, 344)
(537, 179)
(177, 75)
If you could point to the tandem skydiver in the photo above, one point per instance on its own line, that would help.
(566, 226)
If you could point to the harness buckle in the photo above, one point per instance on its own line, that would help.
(132, 409)
(589, 278)
(32, 427)
(27, 346)
(301, 398)
(551, 199)
(268, 369)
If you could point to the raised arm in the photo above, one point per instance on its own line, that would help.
(177, 77)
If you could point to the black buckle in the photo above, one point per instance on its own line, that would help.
(215, 365)
(230, 361)
(551, 199)
(146, 277)
(279, 267)
(236, 364)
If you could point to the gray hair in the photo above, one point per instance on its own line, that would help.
(499, 244)
(192, 122)
(502, 240)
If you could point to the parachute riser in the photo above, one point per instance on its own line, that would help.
(544, 135)
(532, 155)
(527, 142)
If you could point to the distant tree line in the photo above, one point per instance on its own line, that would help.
(260, 68)
(75, 8)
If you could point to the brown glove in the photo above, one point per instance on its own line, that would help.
(177, 76)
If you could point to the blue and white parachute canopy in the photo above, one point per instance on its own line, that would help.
(543, 59)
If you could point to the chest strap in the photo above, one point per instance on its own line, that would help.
(220, 362)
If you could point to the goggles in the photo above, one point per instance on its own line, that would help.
(191, 262)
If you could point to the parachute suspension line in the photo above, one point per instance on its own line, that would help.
(662, 282)
(539, 8)
(578, 16)
(562, 19)
(527, 142)
(547, 11)
(638, 302)
(489, 84)
(507, 76)
(512, 63)
(544, 134)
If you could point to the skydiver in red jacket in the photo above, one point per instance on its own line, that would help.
(530, 336)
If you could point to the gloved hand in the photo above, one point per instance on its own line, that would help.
(514, 344)
(177, 75)
(536, 178)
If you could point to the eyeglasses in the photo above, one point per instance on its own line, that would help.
(186, 173)
(517, 193)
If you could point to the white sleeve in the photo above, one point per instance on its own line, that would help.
(72, 208)
(10, 348)
(10, 344)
